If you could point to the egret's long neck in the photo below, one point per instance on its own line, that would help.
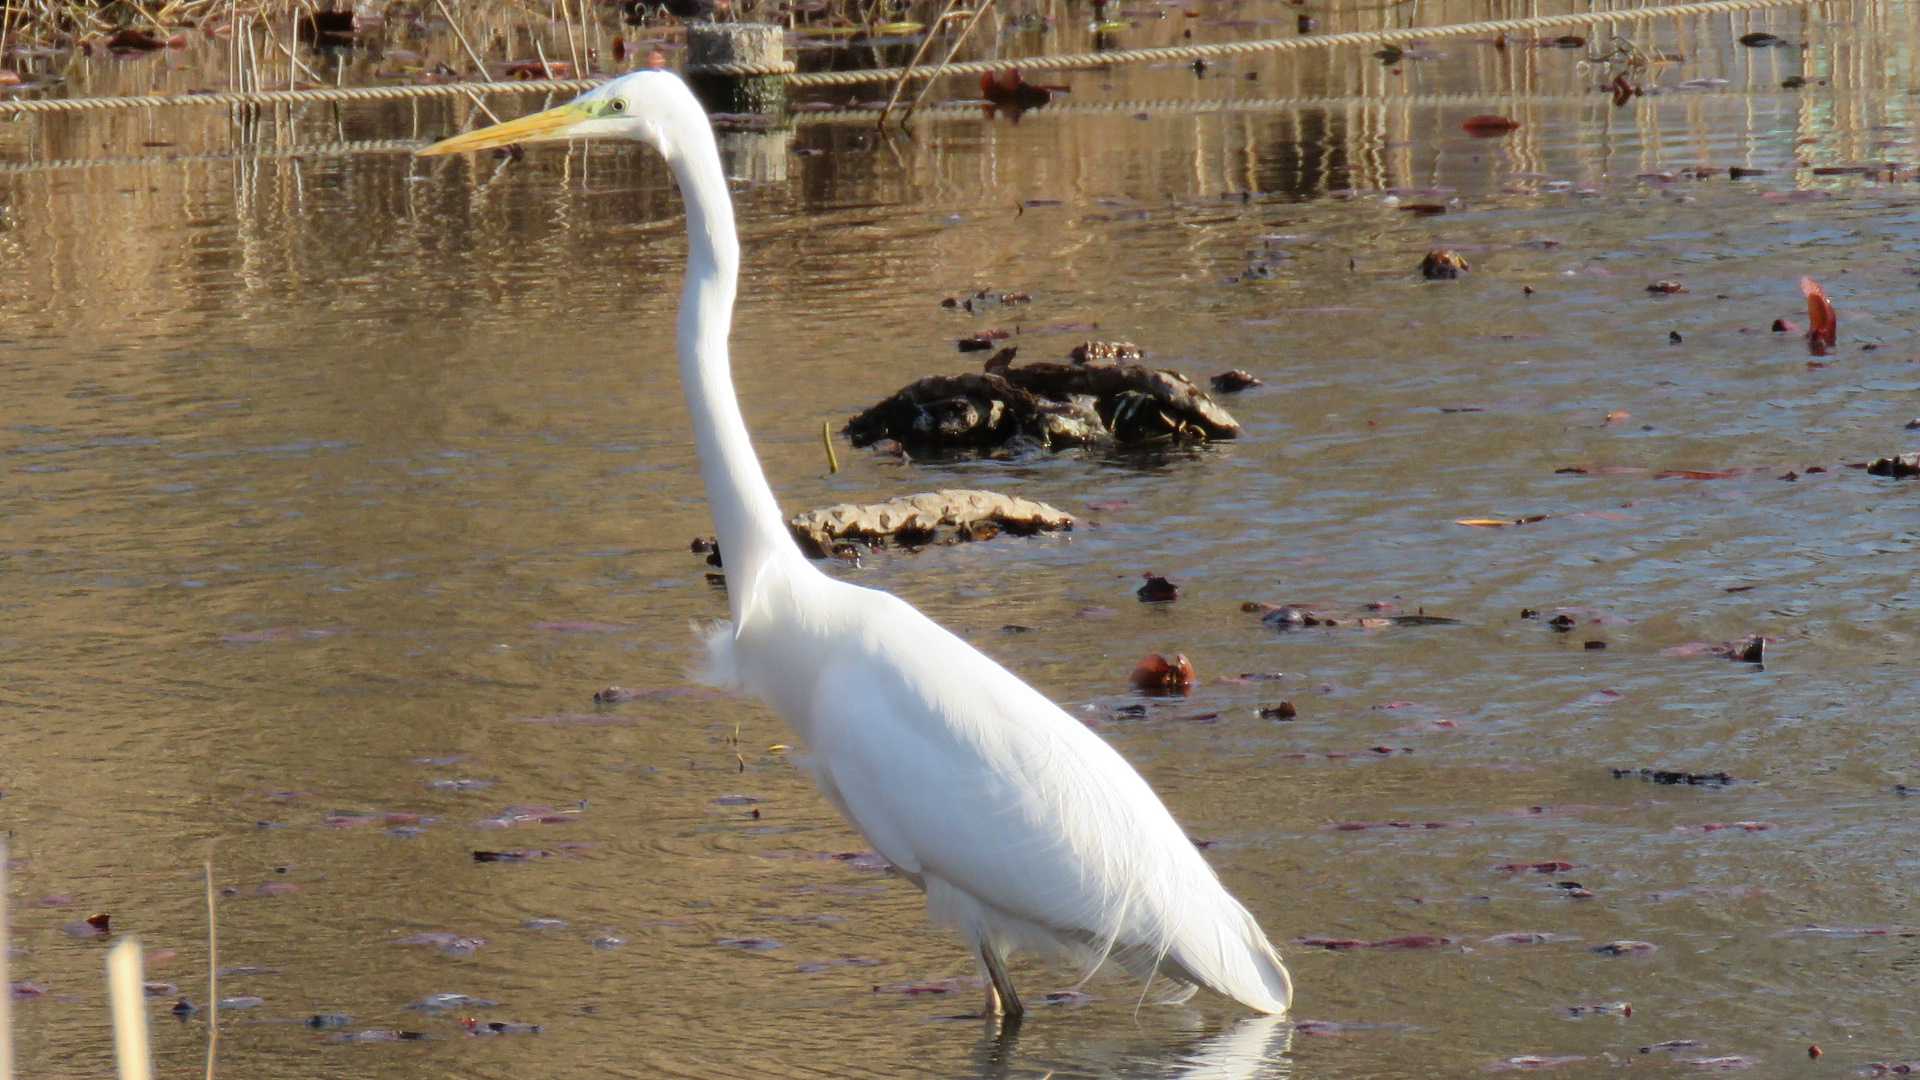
(751, 531)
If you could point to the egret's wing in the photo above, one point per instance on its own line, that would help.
(954, 768)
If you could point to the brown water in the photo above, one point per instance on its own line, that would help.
(337, 483)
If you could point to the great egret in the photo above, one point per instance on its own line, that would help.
(1024, 829)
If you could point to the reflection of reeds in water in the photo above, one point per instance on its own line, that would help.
(6, 980)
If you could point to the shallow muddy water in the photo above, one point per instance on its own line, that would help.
(337, 483)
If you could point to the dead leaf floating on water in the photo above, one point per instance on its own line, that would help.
(918, 519)
(1666, 287)
(1156, 674)
(1760, 39)
(1443, 265)
(1489, 126)
(1823, 324)
(1232, 382)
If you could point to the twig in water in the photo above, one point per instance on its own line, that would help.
(573, 50)
(907, 72)
(478, 65)
(6, 987)
(826, 439)
(481, 67)
(945, 60)
(126, 991)
(311, 74)
(213, 971)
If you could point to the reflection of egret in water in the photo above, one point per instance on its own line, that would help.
(1253, 1048)
(1024, 828)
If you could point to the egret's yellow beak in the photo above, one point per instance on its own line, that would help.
(546, 126)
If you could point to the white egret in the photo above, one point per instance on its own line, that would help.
(1025, 829)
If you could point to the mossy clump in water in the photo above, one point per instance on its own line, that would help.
(1052, 405)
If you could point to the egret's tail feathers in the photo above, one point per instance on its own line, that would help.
(1233, 957)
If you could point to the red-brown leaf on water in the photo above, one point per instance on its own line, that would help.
(9, 77)
(130, 41)
(1413, 941)
(1156, 674)
(1488, 126)
(1824, 328)
(1551, 867)
(1743, 826)
(1008, 89)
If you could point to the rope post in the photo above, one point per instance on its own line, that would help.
(738, 67)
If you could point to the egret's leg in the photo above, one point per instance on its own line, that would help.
(1000, 995)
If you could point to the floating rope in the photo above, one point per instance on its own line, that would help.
(1168, 54)
(956, 110)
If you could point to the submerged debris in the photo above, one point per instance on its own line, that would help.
(1234, 381)
(1157, 590)
(1669, 776)
(1442, 265)
(1900, 466)
(1106, 352)
(918, 519)
(1285, 617)
(1156, 674)
(1051, 404)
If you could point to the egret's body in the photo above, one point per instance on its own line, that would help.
(1025, 829)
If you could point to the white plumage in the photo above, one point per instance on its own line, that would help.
(1025, 829)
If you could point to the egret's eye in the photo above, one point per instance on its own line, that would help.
(616, 105)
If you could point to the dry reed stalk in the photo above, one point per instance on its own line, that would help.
(566, 20)
(126, 990)
(213, 970)
(906, 73)
(476, 60)
(6, 985)
(945, 60)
